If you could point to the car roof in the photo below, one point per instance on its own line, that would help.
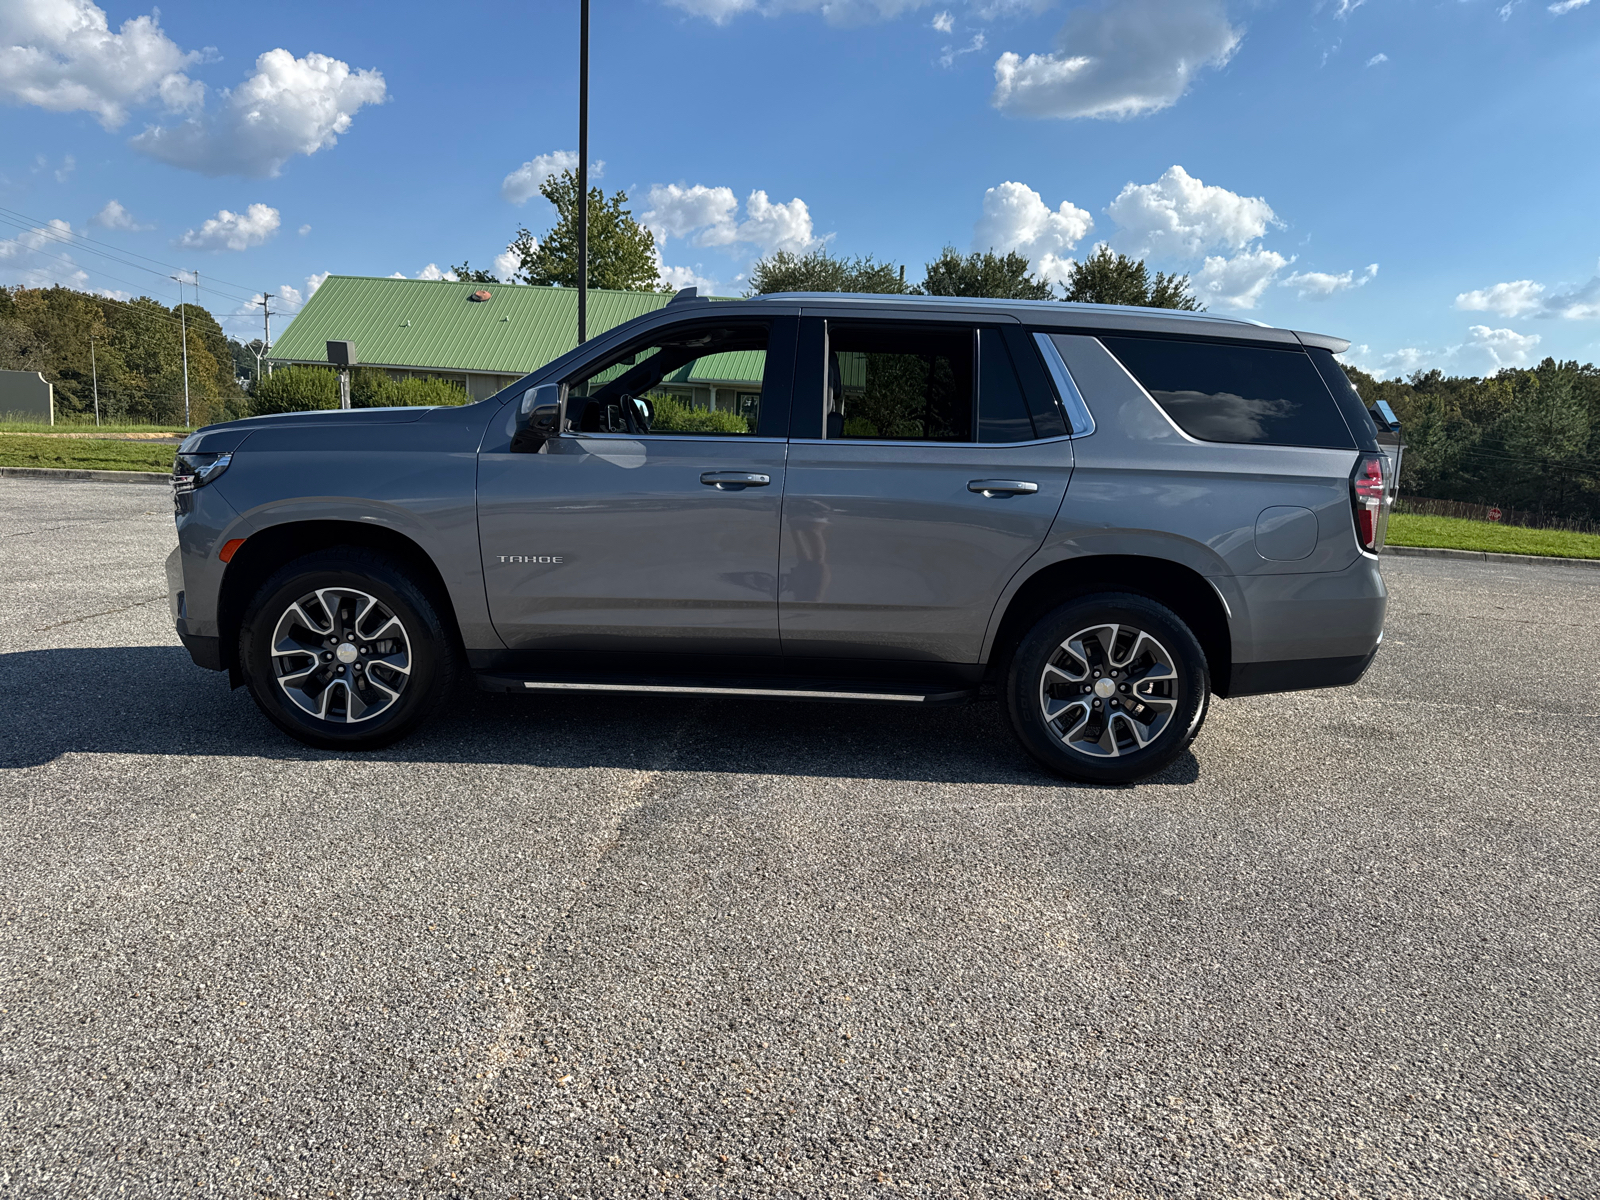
(1103, 318)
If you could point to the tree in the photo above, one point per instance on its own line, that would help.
(465, 274)
(622, 253)
(818, 271)
(1002, 277)
(1106, 277)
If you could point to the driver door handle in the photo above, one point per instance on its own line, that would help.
(1002, 487)
(732, 481)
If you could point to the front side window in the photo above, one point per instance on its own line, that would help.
(899, 382)
(1218, 392)
(705, 380)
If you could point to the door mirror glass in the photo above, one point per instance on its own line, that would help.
(538, 418)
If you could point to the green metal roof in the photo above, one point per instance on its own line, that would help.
(433, 323)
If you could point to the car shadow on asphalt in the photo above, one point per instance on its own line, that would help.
(152, 700)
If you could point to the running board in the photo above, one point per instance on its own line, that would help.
(798, 689)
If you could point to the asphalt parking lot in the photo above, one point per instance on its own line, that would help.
(611, 947)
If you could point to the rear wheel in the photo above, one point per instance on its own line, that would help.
(1108, 688)
(342, 650)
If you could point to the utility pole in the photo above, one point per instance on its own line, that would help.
(94, 374)
(583, 172)
(266, 334)
(183, 332)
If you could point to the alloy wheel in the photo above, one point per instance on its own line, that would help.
(341, 655)
(1109, 690)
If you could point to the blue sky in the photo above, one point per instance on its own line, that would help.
(1420, 177)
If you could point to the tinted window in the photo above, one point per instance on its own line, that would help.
(697, 381)
(1356, 417)
(899, 382)
(1002, 411)
(1221, 393)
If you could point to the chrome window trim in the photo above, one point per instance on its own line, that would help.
(1080, 421)
(743, 439)
(926, 442)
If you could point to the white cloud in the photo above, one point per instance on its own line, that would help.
(778, 226)
(313, 282)
(303, 230)
(524, 183)
(114, 216)
(1376, 59)
(1512, 299)
(1127, 59)
(677, 211)
(289, 106)
(1238, 282)
(35, 257)
(1524, 297)
(506, 264)
(683, 277)
(948, 56)
(1015, 217)
(835, 12)
(709, 216)
(432, 271)
(65, 170)
(233, 231)
(1181, 217)
(944, 22)
(1319, 285)
(1566, 6)
(61, 55)
(1483, 352)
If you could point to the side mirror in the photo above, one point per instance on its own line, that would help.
(538, 418)
(1384, 416)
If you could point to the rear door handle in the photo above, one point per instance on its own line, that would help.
(733, 481)
(1002, 487)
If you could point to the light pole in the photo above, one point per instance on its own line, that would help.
(583, 171)
(94, 375)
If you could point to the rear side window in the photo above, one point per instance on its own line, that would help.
(1002, 410)
(899, 382)
(1225, 393)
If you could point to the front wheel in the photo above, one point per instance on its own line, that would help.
(1108, 688)
(342, 650)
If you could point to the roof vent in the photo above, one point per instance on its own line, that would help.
(480, 296)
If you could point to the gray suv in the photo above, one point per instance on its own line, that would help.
(1102, 515)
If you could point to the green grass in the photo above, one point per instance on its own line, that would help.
(87, 427)
(1454, 533)
(85, 454)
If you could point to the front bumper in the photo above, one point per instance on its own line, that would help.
(206, 651)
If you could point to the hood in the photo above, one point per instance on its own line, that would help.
(219, 439)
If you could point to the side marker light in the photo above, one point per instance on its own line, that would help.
(229, 549)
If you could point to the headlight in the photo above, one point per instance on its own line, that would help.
(190, 471)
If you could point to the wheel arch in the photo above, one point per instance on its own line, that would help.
(264, 552)
(1181, 588)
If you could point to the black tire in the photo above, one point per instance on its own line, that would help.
(1118, 716)
(415, 667)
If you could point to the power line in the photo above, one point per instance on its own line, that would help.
(36, 225)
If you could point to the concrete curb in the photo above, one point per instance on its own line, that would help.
(70, 473)
(1533, 560)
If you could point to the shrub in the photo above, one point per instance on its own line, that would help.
(674, 416)
(409, 391)
(296, 389)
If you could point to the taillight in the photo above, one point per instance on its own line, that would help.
(1368, 489)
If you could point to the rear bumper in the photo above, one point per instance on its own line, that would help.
(1296, 674)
